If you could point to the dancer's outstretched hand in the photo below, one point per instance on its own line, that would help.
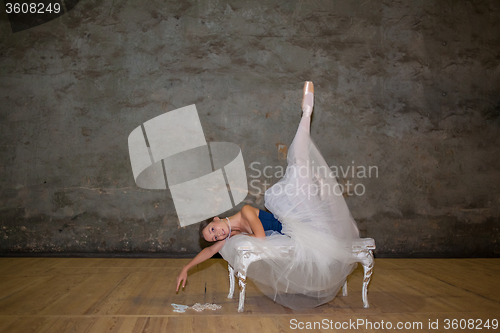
(182, 278)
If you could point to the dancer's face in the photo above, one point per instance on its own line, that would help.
(216, 230)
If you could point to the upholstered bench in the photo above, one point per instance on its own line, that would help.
(362, 251)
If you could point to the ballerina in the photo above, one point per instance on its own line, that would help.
(249, 221)
(309, 214)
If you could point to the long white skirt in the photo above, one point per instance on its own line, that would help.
(317, 224)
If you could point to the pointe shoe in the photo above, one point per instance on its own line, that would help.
(308, 98)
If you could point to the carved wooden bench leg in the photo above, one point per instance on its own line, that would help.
(344, 289)
(231, 281)
(368, 270)
(243, 285)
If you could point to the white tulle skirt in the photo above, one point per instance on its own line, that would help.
(317, 226)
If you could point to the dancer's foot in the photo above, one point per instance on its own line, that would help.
(308, 98)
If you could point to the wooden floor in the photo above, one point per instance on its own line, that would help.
(135, 295)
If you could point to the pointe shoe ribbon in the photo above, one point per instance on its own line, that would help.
(308, 98)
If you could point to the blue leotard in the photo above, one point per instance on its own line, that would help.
(269, 222)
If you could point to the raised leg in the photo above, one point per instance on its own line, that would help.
(299, 148)
(308, 98)
(368, 269)
(231, 281)
(243, 285)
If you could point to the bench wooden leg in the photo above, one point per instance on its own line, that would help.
(243, 285)
(344, 289)
(231, 281)
(368, 270)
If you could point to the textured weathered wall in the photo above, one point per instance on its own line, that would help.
(411, 87)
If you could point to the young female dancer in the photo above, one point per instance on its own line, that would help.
(249, 221)
(313, 220)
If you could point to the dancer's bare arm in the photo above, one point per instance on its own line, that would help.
(204, 254)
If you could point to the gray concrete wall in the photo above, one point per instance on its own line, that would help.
(411, 87)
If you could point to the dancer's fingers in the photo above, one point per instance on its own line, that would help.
(179, 280)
